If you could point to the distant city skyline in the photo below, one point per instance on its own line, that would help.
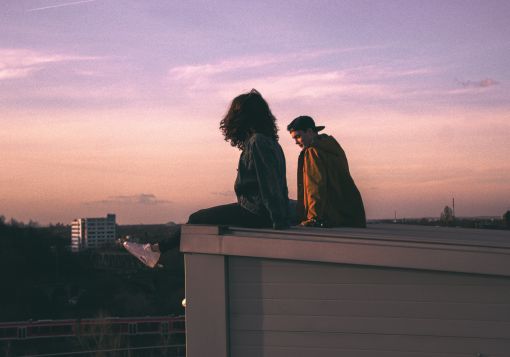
(114, 106)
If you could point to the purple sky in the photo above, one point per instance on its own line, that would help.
(114, 105)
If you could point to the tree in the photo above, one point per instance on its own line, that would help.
(506, 218)
(446, 216)
(15, 223)
(33, 224)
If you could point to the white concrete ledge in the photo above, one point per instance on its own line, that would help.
(397, 246)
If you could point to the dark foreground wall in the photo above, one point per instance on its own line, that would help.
(383, 291)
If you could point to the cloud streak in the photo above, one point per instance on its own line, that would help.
(254, 62)
(60, 5)
(144, 199)
(210, 69)
(224, 193)
(20, 63)
(296, 73)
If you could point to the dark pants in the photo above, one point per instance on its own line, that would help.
(226, 215)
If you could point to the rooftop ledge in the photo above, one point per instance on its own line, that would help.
(461, 250)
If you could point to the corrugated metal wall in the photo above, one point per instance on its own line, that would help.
(286, 308)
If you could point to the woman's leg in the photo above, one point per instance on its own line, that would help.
(228, 215)
(169, 243)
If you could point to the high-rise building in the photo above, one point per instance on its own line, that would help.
(92, 232)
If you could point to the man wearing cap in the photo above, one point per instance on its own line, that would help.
(327, 194)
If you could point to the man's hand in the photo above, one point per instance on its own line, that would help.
(313, 222)
(308, 223)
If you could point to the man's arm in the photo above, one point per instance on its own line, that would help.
(314, 181)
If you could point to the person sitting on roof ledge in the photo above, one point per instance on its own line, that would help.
(261, 183)
(327, 194)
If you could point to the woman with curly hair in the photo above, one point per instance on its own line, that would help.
(260, 186)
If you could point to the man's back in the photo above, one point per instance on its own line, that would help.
(327, 189)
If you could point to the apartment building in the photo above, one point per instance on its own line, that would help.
(92, 232)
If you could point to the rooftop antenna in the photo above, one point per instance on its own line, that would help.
(453, 208)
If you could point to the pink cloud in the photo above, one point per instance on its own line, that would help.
(209, 69)
(140, 199)
(20, 63)
(280, 75)
(484, 83)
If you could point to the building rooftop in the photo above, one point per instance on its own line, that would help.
(388, 289)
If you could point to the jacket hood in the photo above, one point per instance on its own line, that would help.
(328, 144)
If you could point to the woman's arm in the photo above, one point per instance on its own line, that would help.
(270, 170)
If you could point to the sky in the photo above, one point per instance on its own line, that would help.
(114, 105)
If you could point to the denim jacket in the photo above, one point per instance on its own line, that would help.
(261, 183)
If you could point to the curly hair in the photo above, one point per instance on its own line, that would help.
(249, 113)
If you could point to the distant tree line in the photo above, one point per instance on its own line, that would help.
(447, 218)
(42, 279)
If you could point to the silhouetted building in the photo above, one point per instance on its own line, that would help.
(92, 232)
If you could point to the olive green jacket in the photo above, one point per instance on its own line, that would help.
(326, 191)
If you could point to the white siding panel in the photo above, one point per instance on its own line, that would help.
(279, 271)
(291, 308)
(326, 352)
(338, 341)
(357, 308)
(394, 326)
(372, 292)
